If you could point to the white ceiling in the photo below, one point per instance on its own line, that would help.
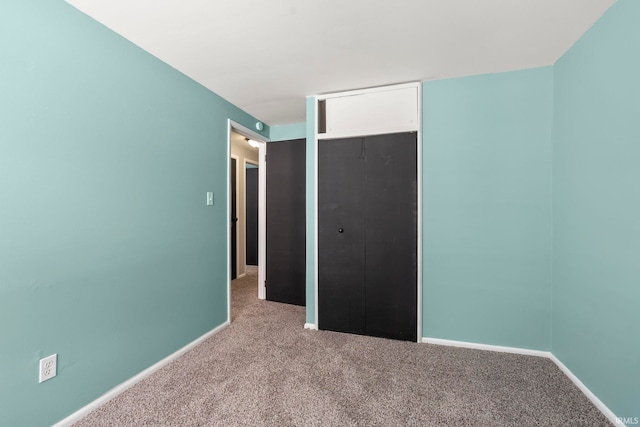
(267, 56)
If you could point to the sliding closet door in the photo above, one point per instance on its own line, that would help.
(391, 217)
(367, 235)
(341, 260)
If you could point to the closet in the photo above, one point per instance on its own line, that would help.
(368, 212)
(367, 235)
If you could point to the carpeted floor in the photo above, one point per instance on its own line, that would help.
(265, 369)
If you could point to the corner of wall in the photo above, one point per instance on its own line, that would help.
(310, 132)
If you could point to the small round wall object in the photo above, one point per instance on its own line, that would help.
(259, 125)
(340, 230)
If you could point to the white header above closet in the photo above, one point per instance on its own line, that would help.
(381, 110)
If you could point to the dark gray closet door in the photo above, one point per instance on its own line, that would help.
(341, 249)
(252, 215)
(367, 235)
(286, 218)
(391, 218)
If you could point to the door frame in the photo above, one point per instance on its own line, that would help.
(233, 126)
(317, 136)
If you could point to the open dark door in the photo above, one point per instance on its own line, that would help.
(234, 221)
(285, 278)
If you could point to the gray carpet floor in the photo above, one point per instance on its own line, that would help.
(265, 369)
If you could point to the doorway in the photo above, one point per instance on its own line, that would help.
(241, 154)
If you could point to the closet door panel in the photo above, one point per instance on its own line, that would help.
(391, 235)
(286, 216)
(341, 258)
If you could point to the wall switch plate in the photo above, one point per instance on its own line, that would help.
(48, 367)
(209, 198)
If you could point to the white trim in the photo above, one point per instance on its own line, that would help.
(487, 347)
(364, 91)
(315, 209)
(419, 225)
(240, 276)
(82, 412)
(539, 353)
(583, 388)
(311, 326)
(317, 136)
(227, 215)
(262, 221)
(351, 134)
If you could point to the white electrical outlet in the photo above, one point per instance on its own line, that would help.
(209, 198)
(48, 367)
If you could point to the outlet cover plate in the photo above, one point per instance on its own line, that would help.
(48, 367)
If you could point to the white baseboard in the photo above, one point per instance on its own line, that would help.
(583, 388)
(498, 348)
(311, 326)
(528, 352)
(80, 413)
(240, 276)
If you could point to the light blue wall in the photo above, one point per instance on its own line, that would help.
(287, 132)
(596, 274)
(487, 208)
(311, 211)
(108, 255)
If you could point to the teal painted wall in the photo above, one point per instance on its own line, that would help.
(311, 211)
(287, 132)
(109, 256)
(596, 220)
(487, 208)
